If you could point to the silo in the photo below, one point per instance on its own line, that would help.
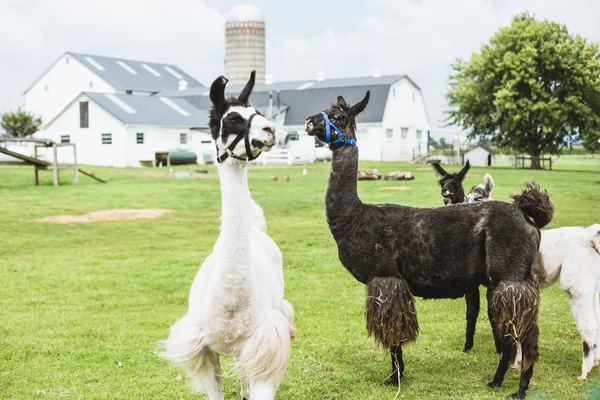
(244, 44)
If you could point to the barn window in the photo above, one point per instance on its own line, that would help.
(419, 135)
(183, 138)
(139, 138)
(84, 117)
(404, 133)
(294, 136)
(389, 135)
(65, 138)
(107, 138)
(91, 84)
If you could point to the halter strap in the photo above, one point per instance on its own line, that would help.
(229, 149)
(341, 138)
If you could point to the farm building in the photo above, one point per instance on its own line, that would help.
(393, 127)
(127, 131)
(127, 100)
(481, 156)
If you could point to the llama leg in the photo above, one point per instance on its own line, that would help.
(472, 299)
(245, 383)
(508, 350)
(583, 311)
(397, 365)
(597, 313)
(262, 390)
(391, 317)
(208, 378)
(497, 337)
(516, 363)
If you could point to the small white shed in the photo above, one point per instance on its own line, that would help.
(481, 156)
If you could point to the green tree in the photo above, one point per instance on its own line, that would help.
(20, 123)
(533, 85)
(592, 144)
(433, 143)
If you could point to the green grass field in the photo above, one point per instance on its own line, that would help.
(77, 299)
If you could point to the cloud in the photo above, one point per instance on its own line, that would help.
(34, 33)
(421, 39)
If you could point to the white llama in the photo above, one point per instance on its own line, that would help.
(573, 254)
(236, 305)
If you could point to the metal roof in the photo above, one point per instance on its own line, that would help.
(294, 85)
(309, 100)
(149, 110)
(125, 74)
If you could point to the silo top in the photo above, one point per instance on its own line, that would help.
(244, 13)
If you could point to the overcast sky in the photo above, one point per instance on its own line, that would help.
(343, 38)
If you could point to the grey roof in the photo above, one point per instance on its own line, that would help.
(151, 110)
(308, 101)
(294, 85)
(488, 149)
(144, 80)
(141, 80)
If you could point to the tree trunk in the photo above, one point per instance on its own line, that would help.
(535, 161)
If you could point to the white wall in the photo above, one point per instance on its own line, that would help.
(369, 142)
(166, 138)
(60, 85)
(478, 157)
(90, 149)
(405, 114)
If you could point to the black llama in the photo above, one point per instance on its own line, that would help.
(444, 252)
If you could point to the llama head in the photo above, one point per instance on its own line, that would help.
(238, 129)
(452, 189)
(341, 115)
(481, 192)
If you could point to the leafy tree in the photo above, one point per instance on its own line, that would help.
(592, 144)
(443, 145)
(433, 143)
(20, 123)
(533, 85)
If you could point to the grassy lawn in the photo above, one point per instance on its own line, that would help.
(77, 299)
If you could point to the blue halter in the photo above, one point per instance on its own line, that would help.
(341, 138)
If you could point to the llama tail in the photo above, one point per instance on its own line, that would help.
(514, 307)
(184, 346)
(267, 352)
(535, 204)
(390, 312)
(594, 233)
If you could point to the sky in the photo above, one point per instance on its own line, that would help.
(420, 38)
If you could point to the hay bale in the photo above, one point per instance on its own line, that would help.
(366, 175)
(399, 176)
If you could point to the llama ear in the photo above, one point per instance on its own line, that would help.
(359, 107)
(341, 102)
(489, 184)
(463, 172)
(217, 93)
(439, 169)
(245, 95)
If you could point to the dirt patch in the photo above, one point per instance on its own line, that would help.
(396, 188)
(105, 215)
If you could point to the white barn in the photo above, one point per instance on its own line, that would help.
(125, 131)
(481, 156)
(74, 73)
(127, 100)
(393, 127)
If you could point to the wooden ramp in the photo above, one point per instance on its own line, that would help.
(46, 165)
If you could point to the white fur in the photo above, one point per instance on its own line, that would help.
(571, 253)
(236, 305)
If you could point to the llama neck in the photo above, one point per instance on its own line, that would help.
(341, 199)
(235, 213)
